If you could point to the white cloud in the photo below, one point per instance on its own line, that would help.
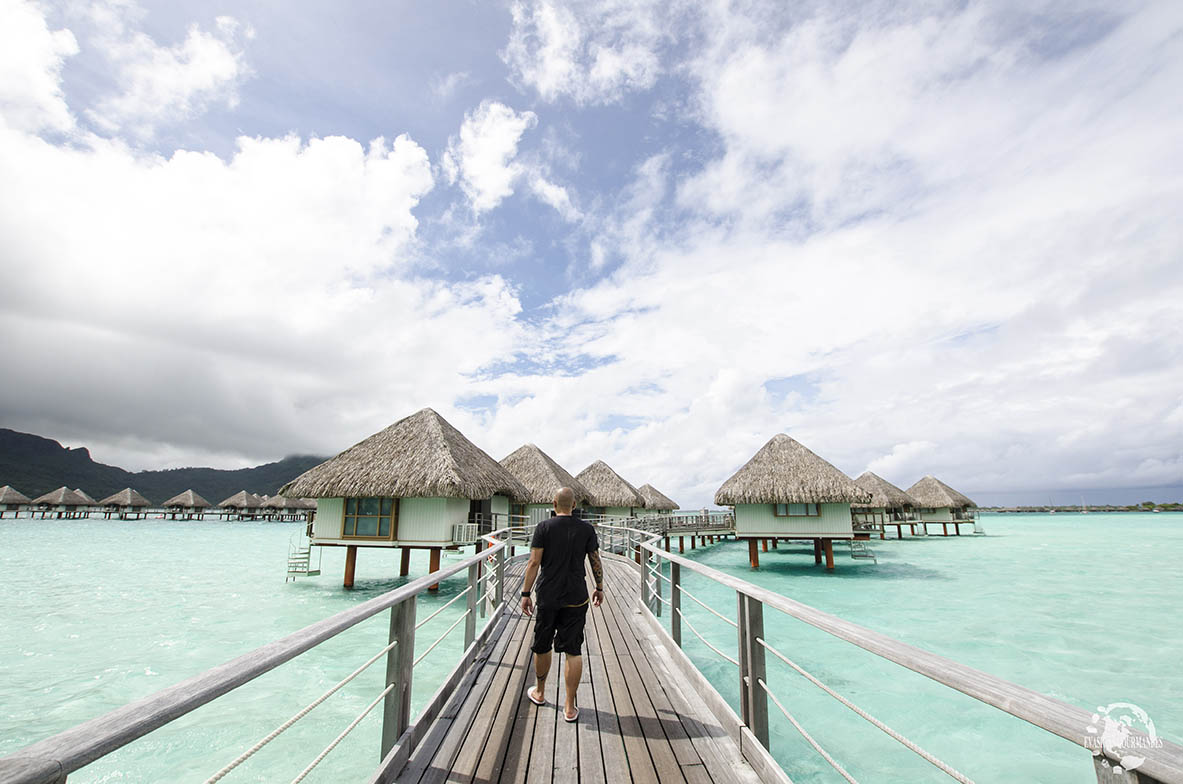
(444, 87)
(555, 195)
(592, 52)
(31, 60)
(161, 85)
(482, 157)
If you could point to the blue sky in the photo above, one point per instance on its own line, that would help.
(921, 238)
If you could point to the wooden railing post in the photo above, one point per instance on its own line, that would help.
(474, 587)
(644, 564)
(499, 596)
(400, 663)
(676, 602)
(657, 584)
(753, 698)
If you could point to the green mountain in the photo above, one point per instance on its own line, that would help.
(36, 465)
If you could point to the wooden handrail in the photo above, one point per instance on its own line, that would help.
(1164, 763)
(52, 759)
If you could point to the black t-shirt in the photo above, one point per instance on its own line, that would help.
(565, 542)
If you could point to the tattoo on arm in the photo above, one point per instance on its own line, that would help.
(597, 567)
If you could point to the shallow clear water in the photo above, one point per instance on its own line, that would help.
(97, 613)
(1083, 608)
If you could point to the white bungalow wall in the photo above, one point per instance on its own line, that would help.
(421, 521)
(942, 515)
(761, 520)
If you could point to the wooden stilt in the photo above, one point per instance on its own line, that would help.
(692, 544)
(829, 545)
(681, 544)
(350, 564)
(944, 529)
(753, 554)
(404, 565)
(667, 544)
(434, 566)
(774, 541)
(764, 545)
(817, 551)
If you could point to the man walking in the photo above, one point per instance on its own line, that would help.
(558, 548)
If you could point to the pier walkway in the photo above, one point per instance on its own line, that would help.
(635, 722)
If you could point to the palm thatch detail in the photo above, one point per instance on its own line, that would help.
(420, 456)
(541, 476)
(84, 496)
(932, 493)
(187, 500)
(10, 495)
(884, 495)
(283, 502)
(607, 488)
(126, 497)
(655, 499)
(63, 496)
(785, 472)
(242, 500)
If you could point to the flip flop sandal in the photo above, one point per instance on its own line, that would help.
(530, 697)
(572, 719)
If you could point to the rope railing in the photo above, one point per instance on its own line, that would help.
(690, 626)
(682, 589)
(299, 715)
(450, 602)
(944, 767)
(808, 738)
(345, 732)
(440, 639)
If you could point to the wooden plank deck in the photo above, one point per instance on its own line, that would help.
(635, 723)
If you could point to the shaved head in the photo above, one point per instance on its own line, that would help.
(564, 500)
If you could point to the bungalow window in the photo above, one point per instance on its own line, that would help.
(370, 518)
(796, 510)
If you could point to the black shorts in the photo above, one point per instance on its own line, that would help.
(560, 626)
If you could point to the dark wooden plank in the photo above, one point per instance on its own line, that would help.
(514, 755)
(614, 756)
(542, 748)
(566, 770)
(590, 760)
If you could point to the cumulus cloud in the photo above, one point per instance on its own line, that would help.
(159, 84)
(31, 60)
(591, 52)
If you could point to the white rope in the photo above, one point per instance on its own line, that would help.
(909, 744)
(657, 596)
(440, 610)
(710, 609)
(689, 625)
(341, 737)
(817, 747)
(441, 637)
(303, 712)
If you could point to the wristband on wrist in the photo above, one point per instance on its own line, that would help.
(525, 593)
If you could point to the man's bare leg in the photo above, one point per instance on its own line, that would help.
(541, 670)
(574, 672)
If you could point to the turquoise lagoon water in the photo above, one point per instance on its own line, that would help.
(1084, 608)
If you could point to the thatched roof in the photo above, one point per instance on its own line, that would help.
(307, 503)
(84, 496)
(187, 499)
(932, 493)
(541, 475)
(421, 456)
(605, 487)
(655, 499)
(884, 494)
(241, 500)
(63, 496)
(126, 497)
(283, 502)
(9, 495)
(785, 472)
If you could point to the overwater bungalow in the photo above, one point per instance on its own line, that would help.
(186, 506)
(242, 506)
(787, 492)
(127, 503)
(889, 506)
(90, 502)
(61, 503)
(938, 503)
(284, 508)
(610, 495)
(418, 484)
(13, 500)
(542, 477)
(656, 501)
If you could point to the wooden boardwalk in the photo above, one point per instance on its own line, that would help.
(635, 723)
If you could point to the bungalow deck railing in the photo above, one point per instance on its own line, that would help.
(1163, 761)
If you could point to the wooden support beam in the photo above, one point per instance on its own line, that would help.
(434, 566)
(753, 554)
(944, 529)
(774, 541)
(404, 565)
(692, 542)
(681, 544)
(764, 545)
(817, 551)
(829, 545)
(350, 564)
